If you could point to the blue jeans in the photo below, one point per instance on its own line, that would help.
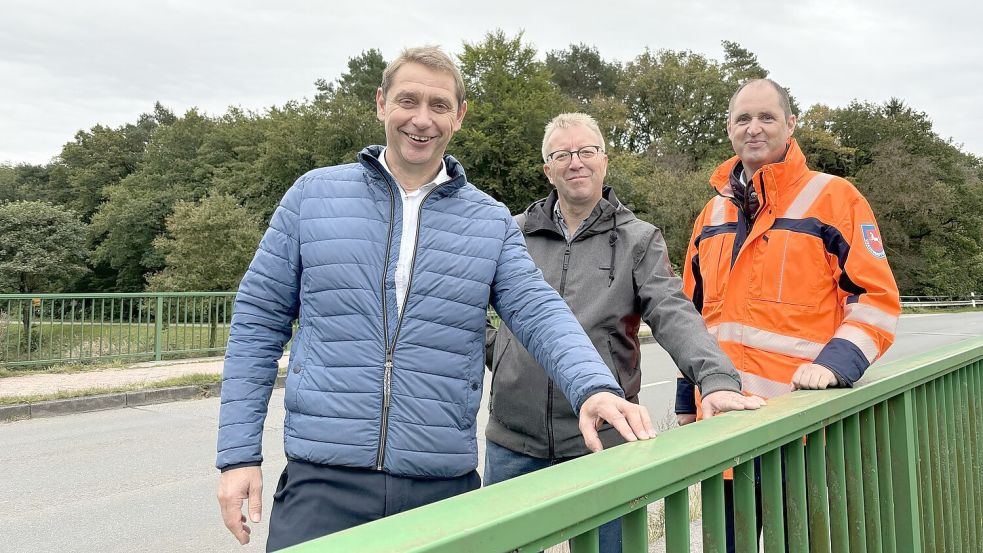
(502, 464)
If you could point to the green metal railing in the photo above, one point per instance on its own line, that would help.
(44, 329)
(895, 465)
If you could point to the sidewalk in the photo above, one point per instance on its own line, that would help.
(136, 374)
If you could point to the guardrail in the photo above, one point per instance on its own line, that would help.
(972, 300)
(44, 329)
(893, 465)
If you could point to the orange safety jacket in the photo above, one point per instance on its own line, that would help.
(808, 282)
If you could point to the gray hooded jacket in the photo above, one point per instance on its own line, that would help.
(614, 273)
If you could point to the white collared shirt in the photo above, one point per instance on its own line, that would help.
(411, 212)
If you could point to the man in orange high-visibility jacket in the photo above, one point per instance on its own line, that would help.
(786, 264)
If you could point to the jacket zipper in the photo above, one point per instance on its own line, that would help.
(388, 363)
(549, 387)
(391, 347)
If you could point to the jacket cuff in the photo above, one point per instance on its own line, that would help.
(845, 359)
(718, 383)
(685, 397)
(618, 392)
(241, 465)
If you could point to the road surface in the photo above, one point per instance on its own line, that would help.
(142, 479)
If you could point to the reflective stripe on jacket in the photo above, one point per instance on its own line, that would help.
(808, 282)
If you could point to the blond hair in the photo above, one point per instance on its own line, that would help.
(429, 56)
(565, 120)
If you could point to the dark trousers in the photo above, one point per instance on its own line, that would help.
(316, 500)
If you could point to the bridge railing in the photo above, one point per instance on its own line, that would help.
(892, 465)
(44, 329)
(972, 300)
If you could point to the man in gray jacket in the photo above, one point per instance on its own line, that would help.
(613, 271)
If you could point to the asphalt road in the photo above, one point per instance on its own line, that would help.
(141, 479)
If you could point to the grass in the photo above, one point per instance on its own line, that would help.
(65, 368)
(939, 310)
(61, 342)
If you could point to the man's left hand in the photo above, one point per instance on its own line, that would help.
(811, 376)
(631, 420)
(723, 401)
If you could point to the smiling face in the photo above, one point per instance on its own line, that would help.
(420, 114)
(757, 127)
(578, 182)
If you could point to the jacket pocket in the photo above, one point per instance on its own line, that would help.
(612, 363)
(496, 361)
(295, 369)
(714, 267)
(789, 268)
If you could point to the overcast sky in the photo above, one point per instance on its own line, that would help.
(69, 65)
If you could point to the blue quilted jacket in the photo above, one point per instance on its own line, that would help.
(367, 387)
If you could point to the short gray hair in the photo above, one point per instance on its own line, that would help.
(429, 56)
(783, 99)
(565, 120)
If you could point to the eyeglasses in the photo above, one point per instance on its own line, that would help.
(563, 157)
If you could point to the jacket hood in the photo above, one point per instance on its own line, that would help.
(369, 157)
(539, 215)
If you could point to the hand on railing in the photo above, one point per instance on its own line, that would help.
(631, 420)
(811, 376)
(724, 401)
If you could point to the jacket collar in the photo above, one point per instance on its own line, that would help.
(369, 158)
(539, 215)
(778, 177)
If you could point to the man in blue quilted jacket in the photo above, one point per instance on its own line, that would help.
(388, 265)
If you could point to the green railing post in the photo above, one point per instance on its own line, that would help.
(714, 527)
(635, 531)
(585, 543)
(677, 522)
(158, 327)
(903, 450)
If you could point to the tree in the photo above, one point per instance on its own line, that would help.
(207, 247)
(511, 98)
(823, 149)
(581, 73)
(361, 81)
(102, 157)
(740, 65)
(42, 248)
(175, 167)
(676, 103)
(930, 218)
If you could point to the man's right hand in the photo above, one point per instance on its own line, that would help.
(234, 486)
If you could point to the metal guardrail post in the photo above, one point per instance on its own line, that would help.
(158, 327)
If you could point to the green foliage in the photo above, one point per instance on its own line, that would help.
(930, 218)
(360, 82)
(511, 100)
(195, 233)
(42, 247)
(582, 74)
(102, 157)
(676, 104)
(663, 113)
(668, 197)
